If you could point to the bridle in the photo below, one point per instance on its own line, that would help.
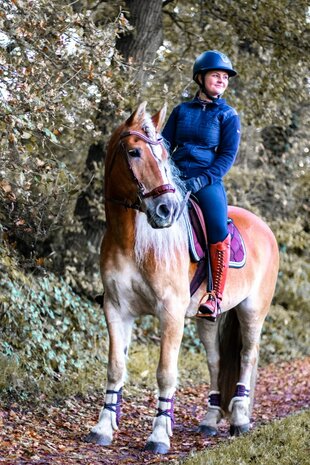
(141, 194)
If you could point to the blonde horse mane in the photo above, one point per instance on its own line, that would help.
(164, 244)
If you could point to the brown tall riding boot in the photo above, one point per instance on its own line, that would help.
(209, 306)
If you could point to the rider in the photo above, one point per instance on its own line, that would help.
(204, 136)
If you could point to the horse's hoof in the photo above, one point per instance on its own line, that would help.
(207, 431)
(100, 439)
(156, 447)
(238, 430)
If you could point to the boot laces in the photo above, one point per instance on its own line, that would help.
(219, 271)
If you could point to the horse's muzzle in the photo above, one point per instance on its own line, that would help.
(162, 211)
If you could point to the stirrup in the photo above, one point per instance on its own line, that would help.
(204, 311)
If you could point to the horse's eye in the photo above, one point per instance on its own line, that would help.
(134, 153)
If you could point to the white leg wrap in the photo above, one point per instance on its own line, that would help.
(163, 422)
(109, 415)
(242, 394)
(214, 400)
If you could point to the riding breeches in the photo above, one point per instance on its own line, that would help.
(213, 203)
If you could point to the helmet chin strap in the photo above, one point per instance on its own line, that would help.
(205, 92)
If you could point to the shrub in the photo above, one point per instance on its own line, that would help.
(46, 329)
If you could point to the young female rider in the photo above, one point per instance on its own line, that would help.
(204, 136)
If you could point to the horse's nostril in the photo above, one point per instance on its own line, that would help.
(163, 211)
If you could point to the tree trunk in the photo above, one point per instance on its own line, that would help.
(139, 47)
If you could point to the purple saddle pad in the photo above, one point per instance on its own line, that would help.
(237, 247)
(198, 240)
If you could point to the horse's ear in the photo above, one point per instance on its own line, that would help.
(159, 118)
(138, 115)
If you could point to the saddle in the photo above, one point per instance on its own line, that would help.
(197, 238)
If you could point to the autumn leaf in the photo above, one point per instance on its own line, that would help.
(20, 222)
(5, 186)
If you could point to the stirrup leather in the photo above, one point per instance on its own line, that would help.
(209, 295)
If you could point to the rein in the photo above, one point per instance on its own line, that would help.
(157, 191)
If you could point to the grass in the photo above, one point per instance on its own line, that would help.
(283, 442)
(141, 366)
(143, 360)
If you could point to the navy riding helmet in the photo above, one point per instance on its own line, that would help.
(212, 59)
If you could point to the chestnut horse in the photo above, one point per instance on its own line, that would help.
(146, 269)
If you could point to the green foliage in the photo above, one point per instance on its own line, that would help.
(46, 329)
(286, 332)
(143, 361)
(285, 335)
(283, 441)
(267, 42)
(55, 67)
(33, 197)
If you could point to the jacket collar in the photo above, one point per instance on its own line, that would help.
(201, 102)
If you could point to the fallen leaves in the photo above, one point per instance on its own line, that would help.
(5, 186)
(54, 434)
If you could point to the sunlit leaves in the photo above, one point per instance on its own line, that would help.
(55, 67)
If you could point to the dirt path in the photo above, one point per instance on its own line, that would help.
(54, 434)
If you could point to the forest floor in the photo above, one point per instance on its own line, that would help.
(48, 433)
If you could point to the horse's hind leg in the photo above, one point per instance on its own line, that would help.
(251, 322)
(119, 327)
(208, 335)
(171, 337)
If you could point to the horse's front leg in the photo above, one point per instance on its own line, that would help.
(119, 328)
(171, 336)
(208, 335)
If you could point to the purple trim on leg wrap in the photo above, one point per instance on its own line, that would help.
(241, 391)
(168, 412)
(214, 400)
(116, 408)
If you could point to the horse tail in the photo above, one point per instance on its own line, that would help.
(230, 345)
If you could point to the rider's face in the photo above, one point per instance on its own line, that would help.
(216, 82)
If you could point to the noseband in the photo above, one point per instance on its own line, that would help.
(158, 191)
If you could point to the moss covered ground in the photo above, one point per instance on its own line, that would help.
(282, 442)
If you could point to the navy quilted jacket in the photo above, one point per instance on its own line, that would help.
(203, 139)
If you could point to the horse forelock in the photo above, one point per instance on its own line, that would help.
(148, 126)
(150, 130)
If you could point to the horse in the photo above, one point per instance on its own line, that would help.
(146, 269)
